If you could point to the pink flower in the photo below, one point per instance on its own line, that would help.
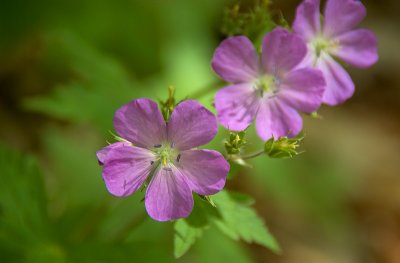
(163, 154)
(335, 38)
(271, 90)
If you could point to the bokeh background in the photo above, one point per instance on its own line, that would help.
(67, 65)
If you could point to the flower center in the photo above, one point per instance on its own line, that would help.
(321, 44)
(267, 84)
(166, 153)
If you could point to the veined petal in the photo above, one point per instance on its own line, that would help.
(140, 122)
(237, 105)
(282, 51)
(303, 89)
(168, 196)
(191, 125)
(357, 48)
(339, 86)
(206, 170)
(126, 169)
(102, 155)
(342, 16)
(235, 60)
(276, 119)
(307, 21)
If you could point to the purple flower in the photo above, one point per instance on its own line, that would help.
(335, 37)
(163, 154)
(272, 90)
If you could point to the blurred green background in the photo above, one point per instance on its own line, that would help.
(66, 66)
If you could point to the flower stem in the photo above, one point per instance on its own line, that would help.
(252, 155)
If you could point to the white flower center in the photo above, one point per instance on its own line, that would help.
(166, 154)
(321, 44)
(267, 85)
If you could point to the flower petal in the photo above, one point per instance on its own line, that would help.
(236, 106)
(235, 60)
(276, 119)
(168, 196)
(357, 48)
(339, 86)
(102, 155)
(206, 170)
(307, 21)
(126, 169)
(282, 51)
(303, 89)
(140, 121)
(342, 16)
(191, 125)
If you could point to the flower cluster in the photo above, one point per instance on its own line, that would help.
(295, 72)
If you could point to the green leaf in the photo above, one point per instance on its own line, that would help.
(239, 221)
(188, 230)
(24, 223)
(185, 237)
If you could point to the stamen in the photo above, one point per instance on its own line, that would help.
(167, 169)
(178, 157)
(157, 146)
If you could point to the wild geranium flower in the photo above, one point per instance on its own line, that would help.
(271, 90)
(335, 38)
(162, 153)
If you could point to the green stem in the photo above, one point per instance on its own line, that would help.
(252, 155)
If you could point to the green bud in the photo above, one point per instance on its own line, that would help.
(316, 115)
(168, 105)
(251, 21)
(235, 142)
(284, 147)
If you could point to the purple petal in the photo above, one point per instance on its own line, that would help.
(236, 60)
(168, 196)
(342, 16)
(339, 86)
(282, 51)
(102, 155)
(276, 119)
(237, 105)
(126, 169)
(307, 22)
(206, 170)
(191, 125)
(357, 48)
(140, 122)
(303, 89)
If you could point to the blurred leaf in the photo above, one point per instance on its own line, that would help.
(185, 237)
(99, 87)
(241, 222)
(216, 247)
(24, 224)
(73, 171)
